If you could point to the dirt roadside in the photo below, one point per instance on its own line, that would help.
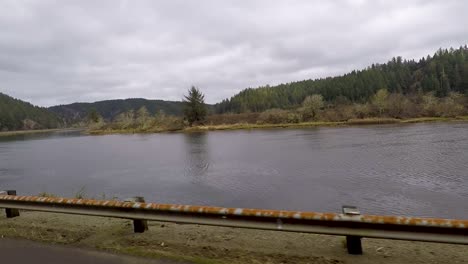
(204, 244)
(21, 251)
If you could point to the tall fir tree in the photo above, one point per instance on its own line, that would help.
(195, 108)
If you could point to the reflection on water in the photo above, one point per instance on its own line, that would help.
(197, 159)
(419, 170)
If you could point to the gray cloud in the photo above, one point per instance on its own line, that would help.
(56, 52)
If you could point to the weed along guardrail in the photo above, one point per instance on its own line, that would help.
(349, 223)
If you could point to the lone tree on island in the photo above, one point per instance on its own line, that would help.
(195, 109)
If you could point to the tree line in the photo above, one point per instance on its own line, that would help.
(19, 115)
(444, 72)
(382, 105)
(110, 109)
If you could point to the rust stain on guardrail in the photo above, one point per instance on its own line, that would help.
(261, 213)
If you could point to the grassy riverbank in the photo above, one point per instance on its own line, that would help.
(38, 131)
(204, 244)
(27, 132)
(237, 126)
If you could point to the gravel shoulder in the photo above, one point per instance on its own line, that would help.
(26, 251)
(204, 244)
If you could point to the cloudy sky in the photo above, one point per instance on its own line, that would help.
(57, 52)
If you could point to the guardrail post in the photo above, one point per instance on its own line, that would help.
(139, 225)
(353, 243)
(11, 212)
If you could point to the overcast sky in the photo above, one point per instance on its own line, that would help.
(57, 52)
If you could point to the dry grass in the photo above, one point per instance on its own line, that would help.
(244, 125)
(373, 121)
(26, 132)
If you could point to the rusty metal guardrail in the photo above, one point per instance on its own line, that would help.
(350, 223)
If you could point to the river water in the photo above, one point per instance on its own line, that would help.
(416, 170)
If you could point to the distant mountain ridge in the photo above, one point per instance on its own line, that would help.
(109, 109)
(18, 115)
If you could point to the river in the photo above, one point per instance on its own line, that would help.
(416, 170)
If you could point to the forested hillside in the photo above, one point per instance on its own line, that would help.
(109, 109)
(434, 86)
(18, 115)
(445, 72)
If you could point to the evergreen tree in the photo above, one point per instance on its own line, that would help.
(195, 109)
(93, 116)
(16, 115)
(464, 79)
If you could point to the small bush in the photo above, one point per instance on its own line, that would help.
(229, 119)
(46, 194)
(294, 117)
(338, 113)
(451, 106)
(362, 110)
(274, 116)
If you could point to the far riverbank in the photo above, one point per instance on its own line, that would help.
(351, 122)
(38, 131)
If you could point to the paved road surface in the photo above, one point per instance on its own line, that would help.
(22, 251)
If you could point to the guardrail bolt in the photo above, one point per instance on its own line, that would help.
(139, 225)
(10, 212)
(353, 243)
